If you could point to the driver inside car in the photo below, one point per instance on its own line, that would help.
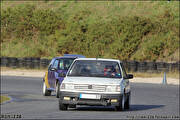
(110, 70)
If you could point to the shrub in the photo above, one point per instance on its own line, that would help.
(44, 32)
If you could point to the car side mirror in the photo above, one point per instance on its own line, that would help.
(129, 76)
(53, 69)
(62, 74)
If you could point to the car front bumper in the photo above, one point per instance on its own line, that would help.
(105, 99)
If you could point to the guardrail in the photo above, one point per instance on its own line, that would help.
(134, 66)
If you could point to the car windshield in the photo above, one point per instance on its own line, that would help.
(95, 68)
(65, 63)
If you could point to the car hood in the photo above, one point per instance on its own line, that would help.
(93, 80)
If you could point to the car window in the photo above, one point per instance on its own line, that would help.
(55, 65)
(95, 68)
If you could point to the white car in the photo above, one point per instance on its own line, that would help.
(95, 81)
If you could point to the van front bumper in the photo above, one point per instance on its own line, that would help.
(104, 100)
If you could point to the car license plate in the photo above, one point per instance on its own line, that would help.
(90, 96)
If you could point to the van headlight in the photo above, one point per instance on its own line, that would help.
(68, 86)
(62, 86)
(113, 88)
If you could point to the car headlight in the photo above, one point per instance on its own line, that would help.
(113, 88)
(118, 88)
(68, 86)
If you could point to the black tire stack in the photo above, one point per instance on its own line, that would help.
(151, 67)
(161, 67)
(3, 61)
(174, 67)
(28, 63)
(36, 63)
(167, 67)
(133, 66)
(44, 63)
(21, 62)
(13, 62)
(142, 67)
(130, 66)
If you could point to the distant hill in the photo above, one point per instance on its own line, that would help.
(143, 31)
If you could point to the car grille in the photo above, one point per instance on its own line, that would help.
(86, 87)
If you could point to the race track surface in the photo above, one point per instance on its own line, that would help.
(147, 100)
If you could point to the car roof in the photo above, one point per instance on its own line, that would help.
(70, 56)
(103, 59)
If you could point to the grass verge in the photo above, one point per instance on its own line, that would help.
(142, 31)
(4, 98)
(136, 74)
(161, 74)
(22, 69)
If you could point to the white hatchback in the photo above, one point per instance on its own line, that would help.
(95, 81)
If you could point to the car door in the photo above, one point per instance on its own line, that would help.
(64, 65)
(49, 72)
(52, 72)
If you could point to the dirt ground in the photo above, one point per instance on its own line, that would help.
(40, 73)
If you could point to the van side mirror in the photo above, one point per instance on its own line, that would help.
(129, 76)
(62, 74)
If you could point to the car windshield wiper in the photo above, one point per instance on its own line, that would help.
(81, 75)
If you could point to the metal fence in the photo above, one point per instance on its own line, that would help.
(133, 66)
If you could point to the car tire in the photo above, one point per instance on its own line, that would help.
(57, 89)
(45, 91)
(62, 106)
(127, 102)
(121, 104)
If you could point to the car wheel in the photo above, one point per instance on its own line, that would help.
(45, 91)
(62, 106)
(57, 89)
(121, 104)
(127, 103)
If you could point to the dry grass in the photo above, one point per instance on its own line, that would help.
(172, 78)
(150, 75)
(104, 9)
(136, 74)
(21, 69)
(23, 72)
(123, 8)
(4, 98)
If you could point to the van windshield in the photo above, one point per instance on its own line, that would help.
(65, 63)
(95, 68)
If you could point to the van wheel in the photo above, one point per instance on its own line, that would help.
(121, 104)
(62, 106)
(57, 89)
(45, 91)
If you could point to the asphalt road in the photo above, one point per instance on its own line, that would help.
(147, 100)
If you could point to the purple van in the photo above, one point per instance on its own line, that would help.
(57, 67)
